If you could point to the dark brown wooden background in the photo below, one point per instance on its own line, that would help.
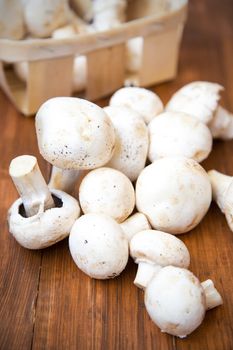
(47, 303)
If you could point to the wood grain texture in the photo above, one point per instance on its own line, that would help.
(105, 71)
(47, 303)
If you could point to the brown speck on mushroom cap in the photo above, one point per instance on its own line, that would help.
(132, 140)
(68, 136)
(106, 254)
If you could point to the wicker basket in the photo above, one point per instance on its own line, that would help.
(51, 60)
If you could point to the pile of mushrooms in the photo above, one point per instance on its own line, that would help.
(60, 19)
(139, 183)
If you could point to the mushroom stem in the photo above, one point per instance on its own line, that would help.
(145, 273)
(213, 298)
(63, 179)
(30, 184)
(134, 224)
(220, 183)
(221, 126)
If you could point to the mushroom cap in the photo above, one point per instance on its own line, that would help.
(131, 145)
(228, 204)
(74, 133)
(160, 248)
(175, 301)
(221, 125)
(46, 227)
(68, 31)
(98, 246)
(107, 191)
(199, 98)
(174, 194)
(80, 73)
(12, 20)
(143, 101)
(134, 49)
(178, 134)
(43, 17)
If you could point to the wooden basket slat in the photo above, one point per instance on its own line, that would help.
(106, 71)
(13, 88)
(160, 56)
(50, 58)
(36, 49)
(48, 78)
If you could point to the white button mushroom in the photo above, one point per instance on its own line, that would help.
(143, 101)
(98, 246)
(134, 50)
(131, 145)
(74, 134)
(43, 17)
(37, 220)
(12, 20)
(108, 14)
(176, 301)
(174, 194)
(222, 188)
(107, 191)
(79, 73)
(46, 227)
(221, 126)
(134, 47)
(178, 134)
(199, 98)
(153, 250)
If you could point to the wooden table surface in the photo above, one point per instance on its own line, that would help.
(47, 303)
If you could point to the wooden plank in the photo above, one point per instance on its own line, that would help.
(105, 71)
(19, 268)
(76, 312)
(14, 88)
